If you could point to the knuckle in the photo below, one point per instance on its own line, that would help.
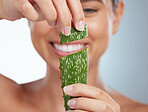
(44, 1)
(18, 2)
(25, 7)
(59, 1)
(34, 19)
(52, 17)
(79, 16)
(99, 93)
(103, 105)
(109, 108)
(66, 21)
(118, 108)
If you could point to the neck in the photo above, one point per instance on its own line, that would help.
(52, 86)
(94, 78)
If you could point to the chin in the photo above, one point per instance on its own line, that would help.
(53, 66)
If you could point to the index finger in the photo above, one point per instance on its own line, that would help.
(77, 13)
(27, 10)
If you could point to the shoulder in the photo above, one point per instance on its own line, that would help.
(138, 107)
(127, 104)
(7, 85)
(11, 95)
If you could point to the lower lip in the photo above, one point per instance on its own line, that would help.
(62, 54)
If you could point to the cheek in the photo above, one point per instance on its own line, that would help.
(41, 35)
(99, 33)
(99, 29)
(39, 31)
(39, 28)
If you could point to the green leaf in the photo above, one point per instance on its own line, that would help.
(74, 67)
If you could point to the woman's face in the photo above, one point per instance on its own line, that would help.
(101, 22)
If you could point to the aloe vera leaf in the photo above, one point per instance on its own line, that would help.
(74, 69)
(75, 35)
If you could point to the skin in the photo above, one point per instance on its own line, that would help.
(45, 95)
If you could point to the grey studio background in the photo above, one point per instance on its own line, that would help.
(124, 66)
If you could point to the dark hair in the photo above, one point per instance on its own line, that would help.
(115, 4)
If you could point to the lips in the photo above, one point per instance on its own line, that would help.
(68, 48)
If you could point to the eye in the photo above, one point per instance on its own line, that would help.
(89, 10)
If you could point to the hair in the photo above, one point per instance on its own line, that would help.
(115, 4)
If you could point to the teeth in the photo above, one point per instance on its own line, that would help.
(68, 48)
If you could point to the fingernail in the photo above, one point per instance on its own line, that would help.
(72, 102)
(68, 89)
(66, 31)
(80, 26)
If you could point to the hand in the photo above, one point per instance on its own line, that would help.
(53, 11)
(92, 99)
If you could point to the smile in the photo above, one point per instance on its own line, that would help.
(67, 49)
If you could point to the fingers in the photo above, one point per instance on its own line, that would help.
(48, 10)
(86, 91)
(64, 16)
(77, 13)
(90, 92)
(27, 10)
(60, 11)
(92, 105)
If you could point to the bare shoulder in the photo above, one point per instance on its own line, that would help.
(127, 104)
(8, 86)
(11, 95)
(139, 108)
